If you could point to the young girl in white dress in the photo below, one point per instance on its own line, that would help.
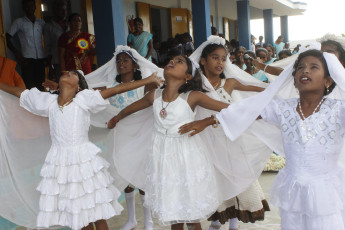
(76, 189)
(180, 182)
(129, 64)
(250, 205)
(309, 191)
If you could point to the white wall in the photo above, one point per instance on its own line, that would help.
(222, 8)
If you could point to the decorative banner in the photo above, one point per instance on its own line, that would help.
(83, 44)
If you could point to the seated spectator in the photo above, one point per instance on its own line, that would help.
(262, 53)
(270, 52)
(188, 45)
(249, 56)
(214, 31)
(284, 54)
(155, 52)
(296, 49)
(233, 45)
(239, 52)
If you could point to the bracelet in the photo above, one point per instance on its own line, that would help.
(265, 68)
(216, 120)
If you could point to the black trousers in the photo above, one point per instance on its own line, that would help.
(33, 73)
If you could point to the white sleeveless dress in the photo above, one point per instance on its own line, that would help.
(180, 182)
(248, 206)
(76, 187)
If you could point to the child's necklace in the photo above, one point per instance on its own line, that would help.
(163, 113)
(318, 105)
(216, 86)
(62, 106)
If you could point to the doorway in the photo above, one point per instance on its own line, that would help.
(160, 23)
(2, 34)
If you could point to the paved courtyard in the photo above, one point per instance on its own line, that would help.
(271, 222)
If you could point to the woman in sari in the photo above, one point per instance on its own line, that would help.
(140, 40)
(76, 49)
(279, 45)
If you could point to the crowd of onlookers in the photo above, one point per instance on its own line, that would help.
(50, 46)
(66, 47)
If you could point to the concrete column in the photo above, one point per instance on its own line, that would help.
(284, 27)
(201, 21)
(243, 18)
(109, 24)
(268, 26)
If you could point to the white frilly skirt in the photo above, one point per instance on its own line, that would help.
(310, 203)
(180, 185)
(76, 188)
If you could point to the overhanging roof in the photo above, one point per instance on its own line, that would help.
(279, 7)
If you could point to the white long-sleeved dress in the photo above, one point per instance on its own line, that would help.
(76, 187)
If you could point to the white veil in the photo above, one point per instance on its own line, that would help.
(238, 163)
(25, 141)
(106, 74)
(283, 87)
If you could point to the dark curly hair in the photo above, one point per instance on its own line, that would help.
(138, 20)
(317, 54)
(73, 15)
(137, 74)
(195, 84)
(339, 48)
(82, 82)
(206, 51)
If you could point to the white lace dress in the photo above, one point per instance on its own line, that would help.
(122, 100)
(76, 188)
(248, 206)
(310, 190)
(180, 183)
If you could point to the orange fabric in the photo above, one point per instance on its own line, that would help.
(8, 73)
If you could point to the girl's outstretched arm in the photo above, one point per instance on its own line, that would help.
(141, 104)
(267, 68)
(198, 126)
(232, 84)
(131, 85)
(16, 91)
(198, 98)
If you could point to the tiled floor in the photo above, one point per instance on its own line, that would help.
(271, 222)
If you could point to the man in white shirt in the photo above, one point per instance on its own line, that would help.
(52, 32)
(31, 58)
(260, 43)
(252, 47)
